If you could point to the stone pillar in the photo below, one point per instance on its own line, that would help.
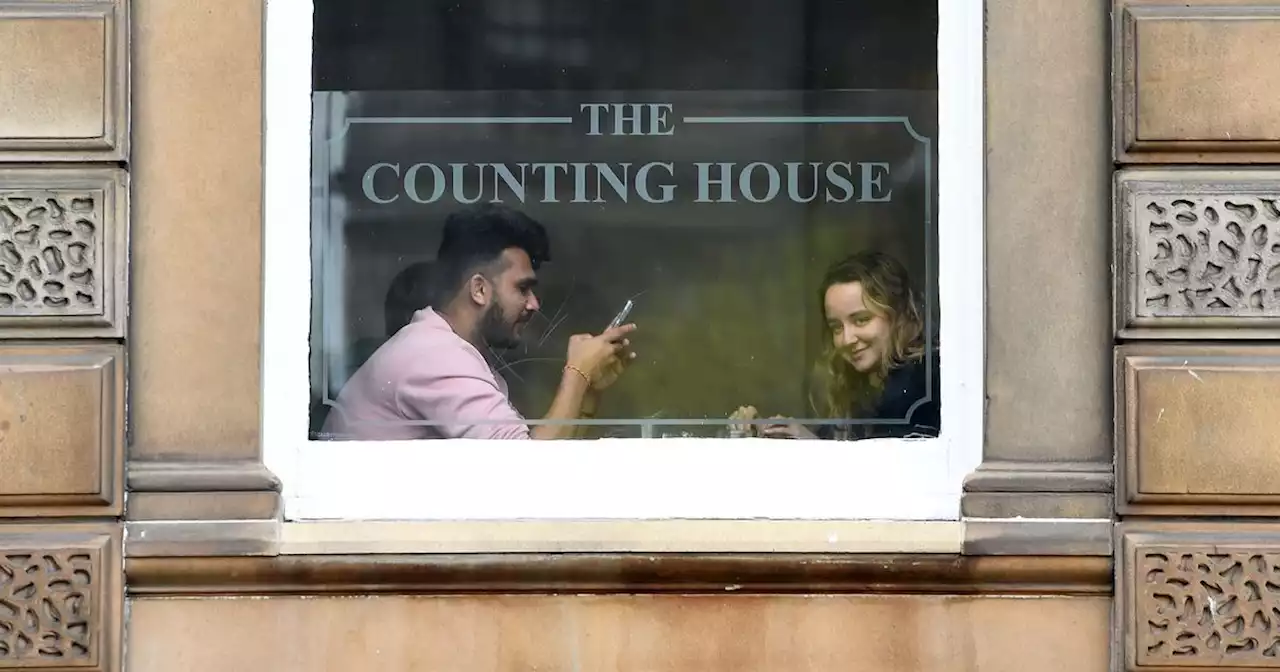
(1048, 436)
(195, 354)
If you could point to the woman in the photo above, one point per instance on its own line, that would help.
(876, 365)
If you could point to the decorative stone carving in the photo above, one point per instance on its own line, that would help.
(1197, 251)
(46, 603)
(47, 245)
(61, 597)
(1198, 596)
(1208, 255)
(63, 251)
(1201, 604)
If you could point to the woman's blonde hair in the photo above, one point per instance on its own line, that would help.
(887, 292)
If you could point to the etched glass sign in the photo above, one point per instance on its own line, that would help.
(567, 220)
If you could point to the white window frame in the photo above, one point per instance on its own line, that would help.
(884, 479)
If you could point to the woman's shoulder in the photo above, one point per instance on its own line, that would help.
(911, 382)
(917, 369)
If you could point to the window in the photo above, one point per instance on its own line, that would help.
(785, 196)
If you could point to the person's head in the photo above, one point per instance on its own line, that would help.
(874, 322)
(488, 262)
(409, 292)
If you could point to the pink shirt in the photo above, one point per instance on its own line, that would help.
(425, 372)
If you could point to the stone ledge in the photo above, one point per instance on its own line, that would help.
(1040, 537)
(761, 573)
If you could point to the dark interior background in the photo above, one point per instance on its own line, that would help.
(406, 45)
(727, 299)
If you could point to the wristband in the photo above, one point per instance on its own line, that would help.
(570, 367)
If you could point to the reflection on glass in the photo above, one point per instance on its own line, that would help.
(759, 188)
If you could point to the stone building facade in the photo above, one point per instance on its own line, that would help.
(1121, 518)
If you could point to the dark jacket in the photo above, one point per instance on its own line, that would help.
(912, 392)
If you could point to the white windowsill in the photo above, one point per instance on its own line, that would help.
(624, 479)
(593, 536)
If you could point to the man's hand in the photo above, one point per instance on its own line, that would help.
(592, 364)
(603, 358)
(612, 370)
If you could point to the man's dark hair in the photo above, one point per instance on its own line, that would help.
(477, 236)
(409, 292)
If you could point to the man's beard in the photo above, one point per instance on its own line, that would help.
(497, 330)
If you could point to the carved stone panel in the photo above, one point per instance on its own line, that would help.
(63, 252)
(64, 84)
(1198, 601)
(1173, 66)
(61, 429)
(1197, 253)
(1203, 597)
(61, 597)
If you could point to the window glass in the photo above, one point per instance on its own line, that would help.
(755, 181)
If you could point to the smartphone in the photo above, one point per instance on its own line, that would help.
(622, 315)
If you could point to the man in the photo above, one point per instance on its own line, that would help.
(434, 368)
